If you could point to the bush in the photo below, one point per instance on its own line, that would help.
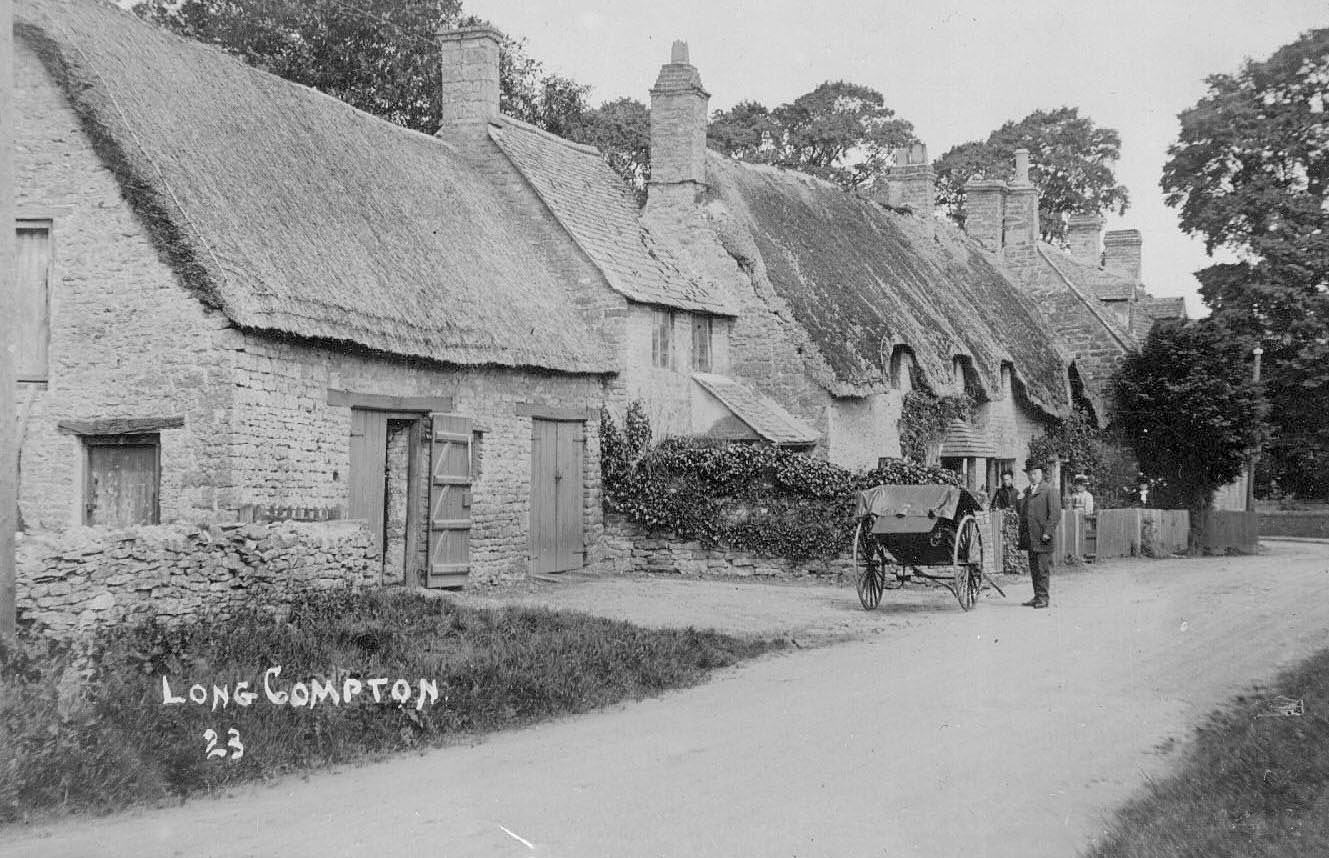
(752, 497)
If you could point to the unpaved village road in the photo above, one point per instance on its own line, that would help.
(1002, 732)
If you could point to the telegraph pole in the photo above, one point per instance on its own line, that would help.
(8, 338)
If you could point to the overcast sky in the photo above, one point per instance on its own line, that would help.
(957, 69)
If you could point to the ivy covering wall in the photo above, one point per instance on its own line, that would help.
(751, 497)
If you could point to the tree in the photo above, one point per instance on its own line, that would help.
(841, 131)
(1188, 407)
(381, 56)
(1250, 174)
(622, 131)
(1071, 162)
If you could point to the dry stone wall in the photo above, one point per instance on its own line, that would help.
(87, 578)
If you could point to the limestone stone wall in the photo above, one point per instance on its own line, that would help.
(630, 548)
(87, 578)
(126, 339)
(293, 447)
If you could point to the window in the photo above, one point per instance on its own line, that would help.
(662, 338)
(33, 243)
(702, 329)
(901, 368)
(122, 480)
(1007, 372)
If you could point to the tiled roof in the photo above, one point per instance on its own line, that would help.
(758, 411)
(1099, 282)
(595, 207)
(963, 440)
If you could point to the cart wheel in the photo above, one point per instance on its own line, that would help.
(967, 562)
(870, 576)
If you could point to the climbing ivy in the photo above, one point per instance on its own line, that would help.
(752, 497)
(924, 417)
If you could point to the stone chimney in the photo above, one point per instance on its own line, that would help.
(1084, 234)
(985, 212)
(470, 81)
(911, 181)
(1121, 253)
(678, 131)
(1022, 228)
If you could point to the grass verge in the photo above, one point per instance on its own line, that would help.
(1256, 783)
(86, 728)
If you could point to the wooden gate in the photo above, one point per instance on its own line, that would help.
(449, 501)
(557, 453)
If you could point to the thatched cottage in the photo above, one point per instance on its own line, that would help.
(244, 297)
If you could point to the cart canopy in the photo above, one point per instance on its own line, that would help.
(914, 509)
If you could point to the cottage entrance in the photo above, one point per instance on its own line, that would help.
(557, 453)
(386, 488)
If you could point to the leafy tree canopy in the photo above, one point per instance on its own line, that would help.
(1071, 161)
(381, 56)
(1249, 173)
(1188, 407)
(840, 131)
(622, 130)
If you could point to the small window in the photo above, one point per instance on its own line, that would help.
(702, 329)
(901, 368)
(662, 338)
(33, 246)
(122, 480)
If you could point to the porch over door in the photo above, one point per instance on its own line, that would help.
(557, 455)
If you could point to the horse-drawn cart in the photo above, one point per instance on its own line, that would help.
(928, 533)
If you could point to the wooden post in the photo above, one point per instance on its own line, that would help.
(8, 355)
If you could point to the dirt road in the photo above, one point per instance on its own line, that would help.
(1002, 732)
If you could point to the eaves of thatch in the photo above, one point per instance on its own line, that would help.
(861, 280)
(596, 208)
(294, 213)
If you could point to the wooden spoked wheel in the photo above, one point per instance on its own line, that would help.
(967, 562)
(869, 570)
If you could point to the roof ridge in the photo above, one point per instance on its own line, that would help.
(1098, 312)
(586, 148)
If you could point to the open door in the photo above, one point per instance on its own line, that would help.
(449, 501)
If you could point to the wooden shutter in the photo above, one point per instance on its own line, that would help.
(449, 500)
(122, 481)
(369, 464)
(33, 334)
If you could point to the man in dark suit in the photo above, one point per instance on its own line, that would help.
(1040, 513)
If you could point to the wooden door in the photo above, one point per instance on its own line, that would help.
(449, 500)
(557, 454)
(368, 478)
(122, 480)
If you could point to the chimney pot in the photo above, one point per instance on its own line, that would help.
(678, 54)
(1021, 167)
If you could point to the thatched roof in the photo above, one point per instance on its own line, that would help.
(597, 209)
(763, 415)
(862, 279)
(294, 213)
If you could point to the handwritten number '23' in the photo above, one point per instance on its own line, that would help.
(233, 743)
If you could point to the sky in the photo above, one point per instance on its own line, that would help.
(956, 69)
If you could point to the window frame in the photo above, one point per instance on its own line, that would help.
(662, 338)
(703, 331)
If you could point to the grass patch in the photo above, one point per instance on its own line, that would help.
(1252, 786)
(84, 728)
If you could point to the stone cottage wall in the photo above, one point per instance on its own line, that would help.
(126, 339)
(88, 578)
(293, 448)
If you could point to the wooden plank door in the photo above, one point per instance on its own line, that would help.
(122, 484)
(449, 500)
(368, 478)
(557, 453)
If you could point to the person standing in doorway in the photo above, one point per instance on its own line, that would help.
(1080, 498)
(1006, 497)
(1040, 512)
